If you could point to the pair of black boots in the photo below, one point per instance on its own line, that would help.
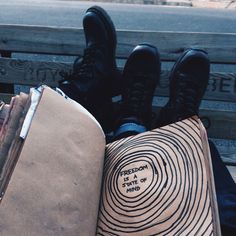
(95, 79)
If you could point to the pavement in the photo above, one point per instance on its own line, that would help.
(220, 4)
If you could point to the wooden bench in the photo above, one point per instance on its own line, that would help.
(56, 41)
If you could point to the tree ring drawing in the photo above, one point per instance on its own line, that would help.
(155, 183)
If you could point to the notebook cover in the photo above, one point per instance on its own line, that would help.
(160, 183)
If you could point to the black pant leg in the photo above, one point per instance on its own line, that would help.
(226, 193)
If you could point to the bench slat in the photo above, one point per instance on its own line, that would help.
(70, 41)
(222, 123)
(222, 86)
(23, 72)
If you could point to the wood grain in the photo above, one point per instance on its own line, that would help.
(70, 41)
(222, 122)
(37, 39)
(33, 73)
(221, 87)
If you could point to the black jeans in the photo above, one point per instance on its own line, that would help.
(226, 193)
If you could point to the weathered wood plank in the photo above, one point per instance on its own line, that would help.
(222, 86)
(37, 39)
(172, 44)
(70, 41)
(32, 72)
(222, 123)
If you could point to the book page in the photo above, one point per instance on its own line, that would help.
(157, 183)
(10, 142)
(55, 187)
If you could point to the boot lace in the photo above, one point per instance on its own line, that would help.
(187, 97)
(84, 69)
(185, 103)
(137, 96)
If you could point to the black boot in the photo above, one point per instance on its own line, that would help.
(95, 78)
(188, 82)
(141, 75)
